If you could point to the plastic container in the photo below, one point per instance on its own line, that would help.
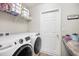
(67, 37)
(75, 37)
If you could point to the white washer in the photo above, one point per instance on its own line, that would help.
(16, 45)
(36, 43)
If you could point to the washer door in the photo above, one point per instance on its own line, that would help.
(37, 45)
(25, 50)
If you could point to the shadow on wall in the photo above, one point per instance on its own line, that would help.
(10, 23)
(16, 19)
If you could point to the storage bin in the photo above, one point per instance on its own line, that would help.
(75, 37)
(67, 38)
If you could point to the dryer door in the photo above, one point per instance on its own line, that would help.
(37, 45)
(25, 50)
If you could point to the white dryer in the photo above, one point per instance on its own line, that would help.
(16, 45)
(36, 43)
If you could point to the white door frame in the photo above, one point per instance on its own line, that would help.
(60, 35)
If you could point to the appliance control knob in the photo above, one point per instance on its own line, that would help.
(0, 45)
(21, 41)
(15, 43)
(27, 38)
(7, 34)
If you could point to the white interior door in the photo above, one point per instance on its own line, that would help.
(51, 32)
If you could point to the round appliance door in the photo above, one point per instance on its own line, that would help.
(25, 50)
(37, 45)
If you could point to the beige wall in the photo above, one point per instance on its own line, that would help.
(68, 27)
(66, 9)
(9, 23)
(34, 25)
